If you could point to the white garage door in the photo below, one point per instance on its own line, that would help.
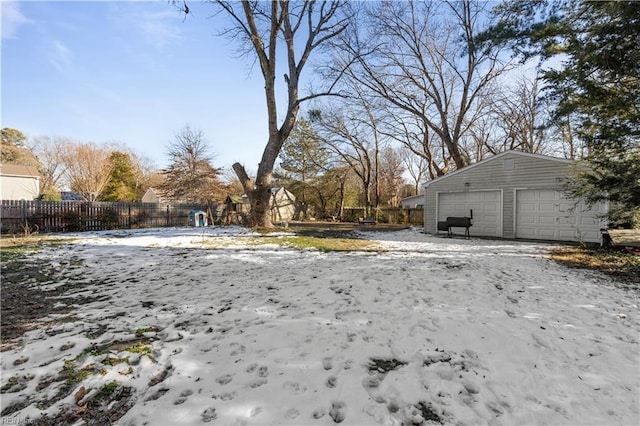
(486, 206)
(549, 215)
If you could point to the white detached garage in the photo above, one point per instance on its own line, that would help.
(514, 195)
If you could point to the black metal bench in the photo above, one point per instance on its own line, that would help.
(456, 222)
(366, 221)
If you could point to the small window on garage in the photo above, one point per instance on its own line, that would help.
(509, 164)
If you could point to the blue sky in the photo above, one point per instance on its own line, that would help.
(131, 72)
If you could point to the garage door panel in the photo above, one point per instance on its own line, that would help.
(566, 206)
(527, 233)
(527, 220)
(486, 207)
(552, 216)
(546, 220)
(567, 221)
(589, 221)
(566, 234)
(543, 232)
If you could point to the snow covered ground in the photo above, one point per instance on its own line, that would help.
(426, 330)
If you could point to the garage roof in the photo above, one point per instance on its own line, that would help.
(496, 157)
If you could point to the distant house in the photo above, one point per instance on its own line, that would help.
(19, 182)
(155, 195)
(283, 205)
(413, 202)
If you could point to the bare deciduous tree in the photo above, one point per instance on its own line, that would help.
(416, 166)
(266, 30)
(517, 112)
(424, 61)
(52, 168)
(390, 171)
(351, 131)
(190, 176)
(87, 168)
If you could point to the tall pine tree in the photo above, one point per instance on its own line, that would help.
(597, 85)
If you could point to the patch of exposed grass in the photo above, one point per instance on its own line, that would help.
(140, 331)
(322, 244)
(13, 381)
(300, 242)
(625, 266)
(71, 374)
(115, 361)
(14, 251)
(106, 391)
(141, 347)
(7, 242)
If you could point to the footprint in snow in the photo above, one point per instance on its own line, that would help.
(263, 371)
(208, 415)
(338, 411)
(227, 396)
(223, 380)
(239, 350)
(295, 388)
(332, 381)
(257, 383)
(184, 395)
(157, 395)
(319, 413)
(292, 413)
(327, 363)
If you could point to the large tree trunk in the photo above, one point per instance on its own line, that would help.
(259, 194)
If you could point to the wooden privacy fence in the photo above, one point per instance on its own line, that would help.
(395, 215)
(71, 216)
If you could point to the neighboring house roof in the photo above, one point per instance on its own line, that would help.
(18, 170)
(494, 158)
(413, 197)
(155, 195)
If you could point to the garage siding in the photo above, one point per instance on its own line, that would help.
(509, 171)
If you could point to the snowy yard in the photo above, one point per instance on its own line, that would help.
(186, 327)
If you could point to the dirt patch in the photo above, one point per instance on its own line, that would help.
(31, 293)
(624, 266)
(380, 365)
(108, 405)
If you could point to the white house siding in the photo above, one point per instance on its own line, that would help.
(508, 172)
(19, 183)
(412, 202)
